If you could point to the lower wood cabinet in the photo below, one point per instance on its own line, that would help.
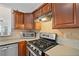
(9, 50)
(22, 49)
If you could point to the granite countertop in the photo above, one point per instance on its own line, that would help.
(13, 40)
(62, 50)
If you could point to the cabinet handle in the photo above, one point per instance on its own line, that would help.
(5, 48)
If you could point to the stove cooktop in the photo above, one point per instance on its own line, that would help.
(43, 44)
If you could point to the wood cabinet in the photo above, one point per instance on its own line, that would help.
(19, 20)
(23, 21)
(46, 8)
(37, 26)
(22, 48)
(66, 15)
(37, 13)
(28, 21)
(76, 15)
(63, 15)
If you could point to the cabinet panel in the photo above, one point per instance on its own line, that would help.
(12, 50)
(42, 10)
(47, 8)
(19, 20)
(9, 50)
(37, 26)
(37, 13)
(28, 21)
(4, 51)
(16, 20)
(77, 14)
(63, 15)
(22, 48)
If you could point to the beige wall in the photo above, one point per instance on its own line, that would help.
(64, 33)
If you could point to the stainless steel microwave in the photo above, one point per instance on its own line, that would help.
(28, 34)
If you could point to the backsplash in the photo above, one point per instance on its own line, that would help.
(64, 35)
(14, 35)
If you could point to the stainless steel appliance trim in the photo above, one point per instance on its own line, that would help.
(28, 35)
(31, 51)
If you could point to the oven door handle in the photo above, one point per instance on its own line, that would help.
(31, 51)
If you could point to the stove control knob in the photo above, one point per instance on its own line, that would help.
(40, 52)
(37, 51)
(33, 48)
(30, 45)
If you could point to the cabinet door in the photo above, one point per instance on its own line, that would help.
(63, 15)
(37, 26)
(46, 8)
(3, 51)
(77, 14)
(0, 51)
(22, 48)
(28, 21)
(37, 13)
(16, 20)
(12, 50)
(19, 20)
(9, 50)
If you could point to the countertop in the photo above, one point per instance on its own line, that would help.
(63, 50)
(13, 40)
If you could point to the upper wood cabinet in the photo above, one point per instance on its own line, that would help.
(37, 13)
(46, 8)
(63, 15)
(37, 26)
(76, 14)
(28, 21)
(23, 21)
(19, 20)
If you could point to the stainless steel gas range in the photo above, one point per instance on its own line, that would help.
(46, 42)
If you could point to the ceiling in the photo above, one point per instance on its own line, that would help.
(23, 7)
